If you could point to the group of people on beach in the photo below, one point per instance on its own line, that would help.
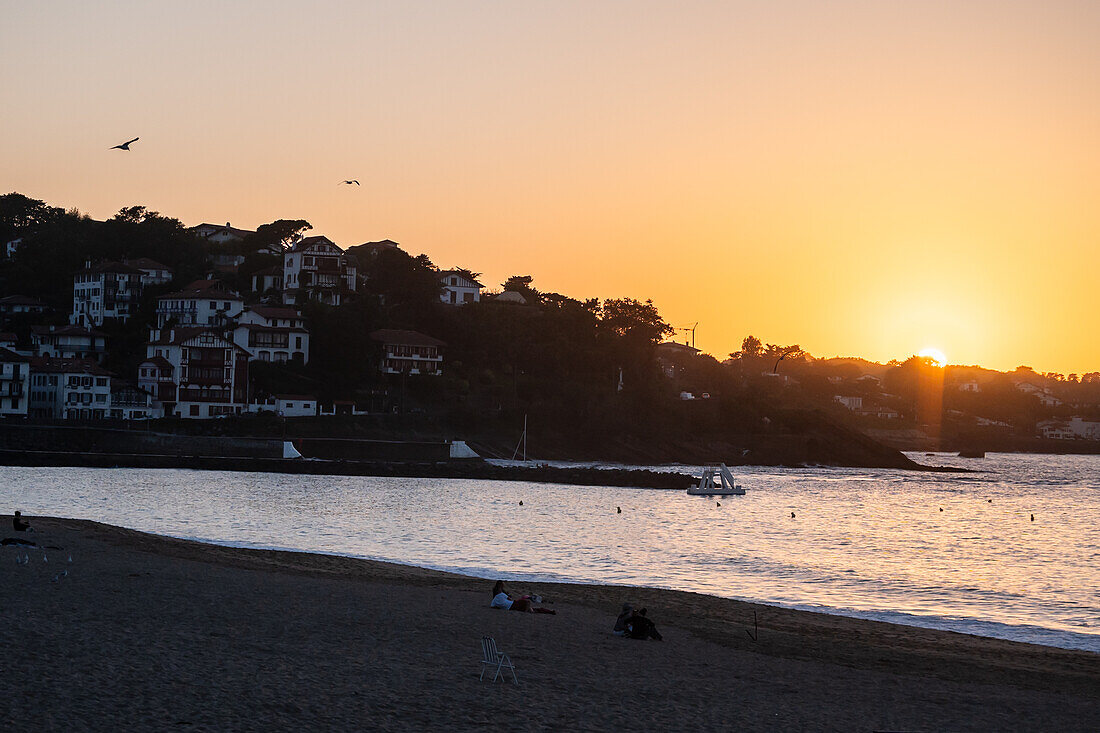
(631, 623)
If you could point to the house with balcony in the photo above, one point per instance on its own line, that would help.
(409, 352)
(14, 383)
(68, 342)
(68, 389)
(108, 290)
(202, 303)
(459, 287)
(314, 268)
(272, 333)
(217, 234)
(195, 372)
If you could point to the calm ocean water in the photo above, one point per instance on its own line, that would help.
(867, 543)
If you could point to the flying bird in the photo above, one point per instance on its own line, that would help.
(350, 182)
(125, 145)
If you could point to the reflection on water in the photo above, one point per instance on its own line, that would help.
(870, 543)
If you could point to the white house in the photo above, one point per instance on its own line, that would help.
(1076, 428)
(69, 389)
(12, 246)
(201, 303)
(315, 268)
(851, 402)
(969, 385)
(14, 383)
(106, 290)
(409, 352)
(459, 288)
(1046, 397)
(287, 405)
(195, 372)
(68, 342)
(272, 333)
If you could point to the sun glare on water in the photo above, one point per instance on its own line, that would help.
(937, 356)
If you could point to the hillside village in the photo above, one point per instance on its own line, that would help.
(139, 318)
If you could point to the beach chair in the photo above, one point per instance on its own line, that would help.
(497, 659)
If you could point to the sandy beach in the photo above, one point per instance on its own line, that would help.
(146, 632)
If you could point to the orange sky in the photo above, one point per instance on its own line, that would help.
(863, 178)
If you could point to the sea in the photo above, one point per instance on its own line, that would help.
(1010, 550)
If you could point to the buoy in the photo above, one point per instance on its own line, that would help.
(990, 501)
(1033, 517)
(521, 503)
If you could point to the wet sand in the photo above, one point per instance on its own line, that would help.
(147, 632)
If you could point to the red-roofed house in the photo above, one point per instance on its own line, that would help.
(201, 303)
(199, 373)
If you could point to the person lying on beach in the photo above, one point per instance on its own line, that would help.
(20, 524)
(620, 622)
(501, 599)
(639, 626)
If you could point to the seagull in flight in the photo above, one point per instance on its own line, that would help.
(125, 145)
(349, 182)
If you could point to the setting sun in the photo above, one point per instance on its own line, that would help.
(937, 356)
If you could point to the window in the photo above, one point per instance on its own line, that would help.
(194, 410)
(101, 381)
(101, 398)
(297, 342)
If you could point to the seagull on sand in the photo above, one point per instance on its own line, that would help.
(125, 145)
(349, 182)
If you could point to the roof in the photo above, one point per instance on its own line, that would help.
(203, 289)
(20, 300)
(158, 361)
(272, 329)
(673, 346)
(227, 229)
(65, 331)
(118, 267)
(460, 273)
(144, 263)
(511, 296)
(67, 366)
(9, 355)
(411, 338)
(307, 242)
(274, 311)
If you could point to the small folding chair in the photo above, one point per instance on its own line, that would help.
(497, 659)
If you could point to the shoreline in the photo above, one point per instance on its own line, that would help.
(151, 631)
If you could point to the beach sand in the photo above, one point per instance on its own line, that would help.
(147, 632)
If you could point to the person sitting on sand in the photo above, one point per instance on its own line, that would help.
(501, 599)
(20, 524)
(639, 626)
(620, 622)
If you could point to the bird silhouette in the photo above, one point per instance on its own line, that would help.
(620, 510)
(718, 503)
(792, 515)
(125, 145)
(941, 508)
(521, 503)
(349, 182)
(1033, 517)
